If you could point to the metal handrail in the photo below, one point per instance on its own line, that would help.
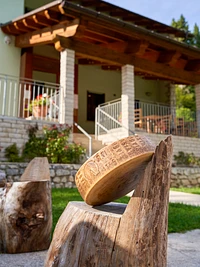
(111, 118)
(88, 136)
(110, 102)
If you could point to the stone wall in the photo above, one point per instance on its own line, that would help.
(185, 177)
(180, 143)
(14, 130)
(63, 175)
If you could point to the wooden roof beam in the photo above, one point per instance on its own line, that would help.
(117, 46)
(104, 8)
(137, 47)
(96, 37)
(12, 29)
(40, 20)
(20, 27)
(30, 24)
(91, 27)
(170, 57)
(46, 35)
(139, 33)
(118, 13)
(51, 15)
(193, 65)
(107, 55)
(89, 3)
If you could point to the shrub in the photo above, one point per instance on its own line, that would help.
(57, 142)
(53, 144)
(35, 146)
(12, 153)
(186, 159)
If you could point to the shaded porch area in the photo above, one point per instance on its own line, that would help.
(148, 117)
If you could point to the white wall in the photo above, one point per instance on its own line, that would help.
(44, 76)
(154, 91)
(96, 80)
(46, 51)
(9, 54)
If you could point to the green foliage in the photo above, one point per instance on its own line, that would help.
(35, 146)
(12, 153)
(185, 102)
(53, 144)
(41, 100)
(186, 159)
(56, 142)
(185, 97)
(191, 190)
(182, 24)
(185, 113)
(58, 149)
(181, 217)
(196, 39)
(74, 153)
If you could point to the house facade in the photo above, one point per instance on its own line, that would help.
(87, 54)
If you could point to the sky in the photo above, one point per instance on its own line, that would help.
(164, 10)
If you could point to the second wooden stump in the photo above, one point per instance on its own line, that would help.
(115, 234)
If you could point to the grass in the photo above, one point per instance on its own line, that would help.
(192, 190)
(182, 217)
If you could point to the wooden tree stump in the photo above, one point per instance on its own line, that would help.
(115, 234)
(25, 210)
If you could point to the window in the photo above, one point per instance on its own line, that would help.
(93, 100)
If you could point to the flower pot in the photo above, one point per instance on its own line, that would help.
(40, 111)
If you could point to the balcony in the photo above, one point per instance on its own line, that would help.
(29, 99)
(150, 118)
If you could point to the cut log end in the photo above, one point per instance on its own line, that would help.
(114, 170)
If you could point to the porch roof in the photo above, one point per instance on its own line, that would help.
(55, 9)
(109, 36)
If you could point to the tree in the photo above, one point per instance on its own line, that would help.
(182, 24)
(196, 33)
(185, 102)
(185, 95)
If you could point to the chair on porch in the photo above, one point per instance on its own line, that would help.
(138, 118)
(180, 126)
(164, 124)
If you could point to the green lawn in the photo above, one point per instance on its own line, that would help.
(192, 190)
(182, 217)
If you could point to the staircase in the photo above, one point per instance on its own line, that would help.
(84, 141)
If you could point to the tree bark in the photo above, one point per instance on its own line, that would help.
(25, 211)
(116, 234)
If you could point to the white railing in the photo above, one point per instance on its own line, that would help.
(104, 122)
(107, 117)
(19, 98)
(88, 136)
(152, 109)
(149, 117)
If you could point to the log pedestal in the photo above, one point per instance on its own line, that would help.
(115, 234)
(25, 210)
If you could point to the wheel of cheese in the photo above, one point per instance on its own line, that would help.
(115, 170)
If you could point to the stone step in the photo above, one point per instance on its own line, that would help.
(84, 141)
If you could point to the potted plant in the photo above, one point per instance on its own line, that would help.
(39, 106)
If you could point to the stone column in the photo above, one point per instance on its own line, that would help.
(128, 99)
(197, 92)
(173, 104)
(66, 103)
